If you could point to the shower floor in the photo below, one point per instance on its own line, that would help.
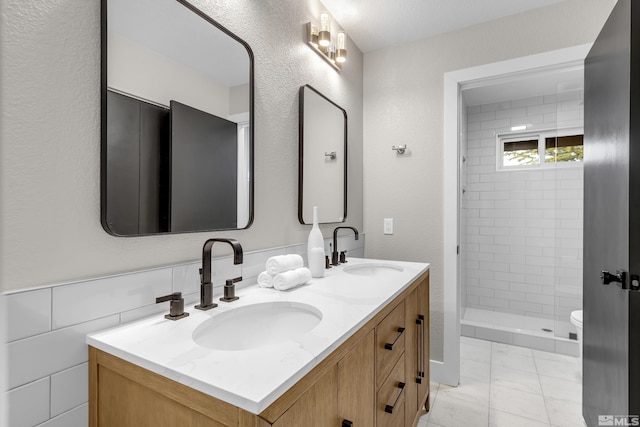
(524, 331)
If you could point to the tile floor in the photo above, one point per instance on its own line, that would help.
(503, 385)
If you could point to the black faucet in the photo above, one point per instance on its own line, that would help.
(206, 287)
(334, 254)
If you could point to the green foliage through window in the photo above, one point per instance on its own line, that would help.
(557, 149)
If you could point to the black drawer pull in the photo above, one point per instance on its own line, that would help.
(421, 352)
(347, 423)
(389, 346)
(419, 322)
(389, 409)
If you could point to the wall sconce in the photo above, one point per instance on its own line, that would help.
(325, 42)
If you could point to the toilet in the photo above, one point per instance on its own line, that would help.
(576, 319)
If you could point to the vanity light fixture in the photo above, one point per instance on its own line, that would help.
(329, 44)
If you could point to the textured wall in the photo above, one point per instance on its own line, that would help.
(404, 104)
(50, 159)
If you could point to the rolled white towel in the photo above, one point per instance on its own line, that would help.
(282, 263)
(291, 279)
(265, 280)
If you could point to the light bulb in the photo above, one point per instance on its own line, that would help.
(340, 40)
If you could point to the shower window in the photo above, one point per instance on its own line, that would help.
(521, 152)
(539, 149)
(563, 149)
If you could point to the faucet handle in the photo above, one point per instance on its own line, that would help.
(230, 290)
(343, 257)
(176, 305)
(230, 282)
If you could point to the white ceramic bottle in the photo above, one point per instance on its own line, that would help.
(315, 248)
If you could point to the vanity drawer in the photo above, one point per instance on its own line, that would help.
(390, 337)
(391, 398)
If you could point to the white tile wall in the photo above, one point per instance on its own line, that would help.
(523, 228)
(126, 292)
(31, 311)
(43, 355)
(76, 417)
(66, 391)
(29, 404)
(4, 395)
(46, 351)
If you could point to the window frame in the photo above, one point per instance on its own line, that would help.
(541, 135)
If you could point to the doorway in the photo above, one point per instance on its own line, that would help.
(455, 83)
(520, 208)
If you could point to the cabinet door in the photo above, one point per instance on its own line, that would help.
(423, 343)
(318, 406)
(411, 355)
(356, 384)
(417, 349)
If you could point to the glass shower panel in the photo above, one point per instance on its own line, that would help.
(566, 151)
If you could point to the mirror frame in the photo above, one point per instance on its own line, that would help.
(301, 155)
(103, 121)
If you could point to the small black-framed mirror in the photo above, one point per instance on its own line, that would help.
(322, 171)
(176, 121)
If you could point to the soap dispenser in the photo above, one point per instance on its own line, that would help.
(315, 248)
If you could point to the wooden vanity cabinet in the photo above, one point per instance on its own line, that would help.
(351, 387)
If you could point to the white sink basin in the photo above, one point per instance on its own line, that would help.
(372, 269)
(257, 325)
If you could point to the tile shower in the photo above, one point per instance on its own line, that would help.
(521, 229)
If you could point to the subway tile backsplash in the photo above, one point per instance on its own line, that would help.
(30, 403)
(43, 355)
(84, 301)
(30, 313)
(48, 369)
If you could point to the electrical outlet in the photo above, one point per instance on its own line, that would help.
(388, 226)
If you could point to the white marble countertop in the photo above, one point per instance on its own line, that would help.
(253, 379)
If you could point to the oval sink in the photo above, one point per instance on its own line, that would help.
(257, 325)
(372, 269)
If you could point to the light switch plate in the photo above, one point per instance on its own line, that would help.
(388, 226)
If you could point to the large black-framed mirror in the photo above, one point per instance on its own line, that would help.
(322, 170)
(176, 121)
